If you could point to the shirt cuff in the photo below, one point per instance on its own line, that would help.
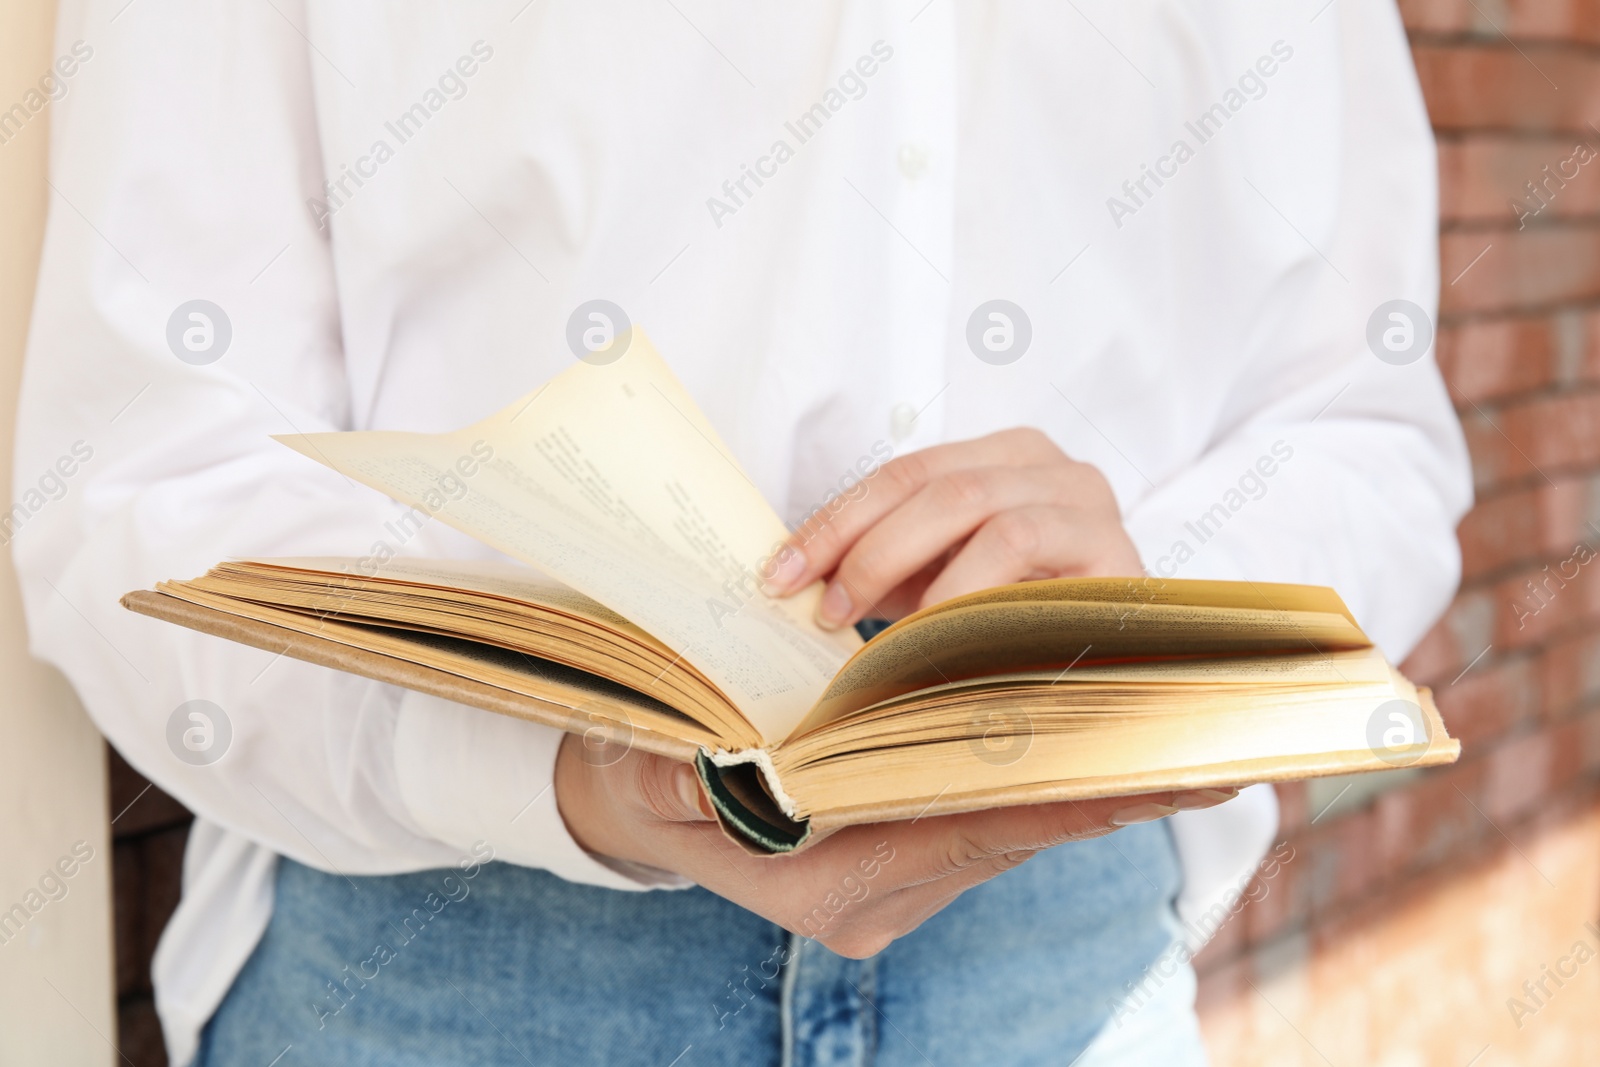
(466, 776)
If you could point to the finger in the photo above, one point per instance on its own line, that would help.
(945, 846)
(949, 846)
(868, 929)
(668, 790)
(906, 871)
(1035, 542)
(790, 890)
(816, 547)
(952, 854)
(904, 598)
(925, 526)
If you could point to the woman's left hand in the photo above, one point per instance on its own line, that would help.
(954, 519)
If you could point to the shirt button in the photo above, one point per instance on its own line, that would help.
(902, 421)
(913, 160)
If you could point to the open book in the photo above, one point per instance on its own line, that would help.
(643, 625)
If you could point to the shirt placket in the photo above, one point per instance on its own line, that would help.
(919, 166)
(830, 1017)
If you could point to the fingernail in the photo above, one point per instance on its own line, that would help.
(1202, 798)
(835, 607)
(788, 567)
(1142, 813)
(689, 791)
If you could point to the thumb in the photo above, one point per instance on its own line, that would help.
(672, 791)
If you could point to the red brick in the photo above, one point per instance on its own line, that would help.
(1569, 673)
(1279, 903)
(1512, 270)
(1467, 629)
(1538, 603)
(1494, 87)
(1470, 619)
(1428, 821)
(1517, 775)
(1486, 178)
(1541, 522)
(1589, 742)
(1535, 440)
(1496, 357)
(1523, 20)
(1557, 432)
(1336, 861)
(1567, 512)
(1488, 701)
(1586, 361)
(1499, 532)
(1436, 659)
(1566, 747)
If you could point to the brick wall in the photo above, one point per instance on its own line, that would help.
(1513, 88)
(1516, 668)
(147, 839)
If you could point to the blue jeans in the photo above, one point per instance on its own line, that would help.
(515, 966)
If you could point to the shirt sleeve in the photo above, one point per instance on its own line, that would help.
(1335, 466)
(183, 158)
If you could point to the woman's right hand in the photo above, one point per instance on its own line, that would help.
(854, 891)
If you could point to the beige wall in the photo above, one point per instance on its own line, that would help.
(56, 996)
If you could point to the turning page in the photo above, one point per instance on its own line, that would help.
(611, 480)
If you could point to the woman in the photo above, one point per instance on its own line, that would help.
(1096, 281)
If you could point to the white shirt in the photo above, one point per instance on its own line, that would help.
(1184, 329)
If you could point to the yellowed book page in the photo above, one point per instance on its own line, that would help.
(1177, 592)
(1005, 630)
(993, 717)
(1116, 745)
(1186, 678)
(509, 580)
(580, 691)
(454, 602)
(609, 479)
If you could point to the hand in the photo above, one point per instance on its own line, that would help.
(934, 524)
(854, 891)
(954, 519)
